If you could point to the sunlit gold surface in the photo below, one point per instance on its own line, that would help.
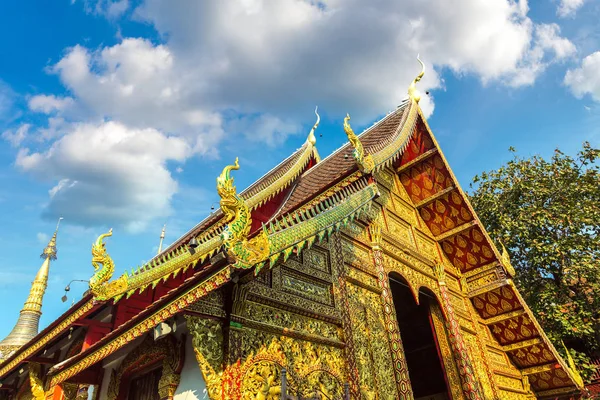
(27, 325)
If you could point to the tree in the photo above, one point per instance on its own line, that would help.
(547, 214)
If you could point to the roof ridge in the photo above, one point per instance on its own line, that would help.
(400, 108)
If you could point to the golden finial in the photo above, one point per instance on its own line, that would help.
(162, 237)
(365, 161)
(50, 250)
(311, 136)
(413, 92)
(229, 197)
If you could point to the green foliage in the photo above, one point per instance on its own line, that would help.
(547, 214)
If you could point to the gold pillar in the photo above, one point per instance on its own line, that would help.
(389, 313)
(470, 384)
(340, 272)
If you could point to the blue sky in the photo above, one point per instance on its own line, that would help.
(121, 114)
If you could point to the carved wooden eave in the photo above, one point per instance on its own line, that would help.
(52, 332)
(174, 302)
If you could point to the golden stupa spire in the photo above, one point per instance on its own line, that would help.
(28, 323)
(413, 92)
(162, 237)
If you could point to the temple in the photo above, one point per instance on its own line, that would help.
(363, 275)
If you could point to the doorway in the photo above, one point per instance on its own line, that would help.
(425, 370)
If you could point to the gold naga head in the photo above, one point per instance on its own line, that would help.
(226, 189)
(225, 181)
(100, 241)
(413, 92)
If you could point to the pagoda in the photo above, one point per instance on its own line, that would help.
(27, 325)
(363, 275)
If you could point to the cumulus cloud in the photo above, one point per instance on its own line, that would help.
(352, 54)
(548, 47)
(279, 58)
(136, 83)
(568, 8)
(253, 68)
(49, 104)
(108, 173)
(585, 79)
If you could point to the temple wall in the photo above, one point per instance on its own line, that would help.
(286, 317)
(321, 315)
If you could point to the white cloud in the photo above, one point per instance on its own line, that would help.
(548, 38)
(115, 9)
(108, 174)
(108, 8)
(568, 8)
(254, 68)
(49, 104)
(548, 47)
(15, 138)
(585, 79)
(135, 82)
(277, 59)
(351, 55)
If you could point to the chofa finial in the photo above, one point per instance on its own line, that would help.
(413, 92)
(311, 136)
(227, 192)
(363, 160)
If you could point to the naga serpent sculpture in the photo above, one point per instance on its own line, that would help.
(100, 286)
(413, 92)
(365, 162)
(247, 252)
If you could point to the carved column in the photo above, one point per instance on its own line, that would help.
(470, 384)
(342, 295)
(389, 314)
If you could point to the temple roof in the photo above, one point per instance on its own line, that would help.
(289, 168)
(341, 163)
